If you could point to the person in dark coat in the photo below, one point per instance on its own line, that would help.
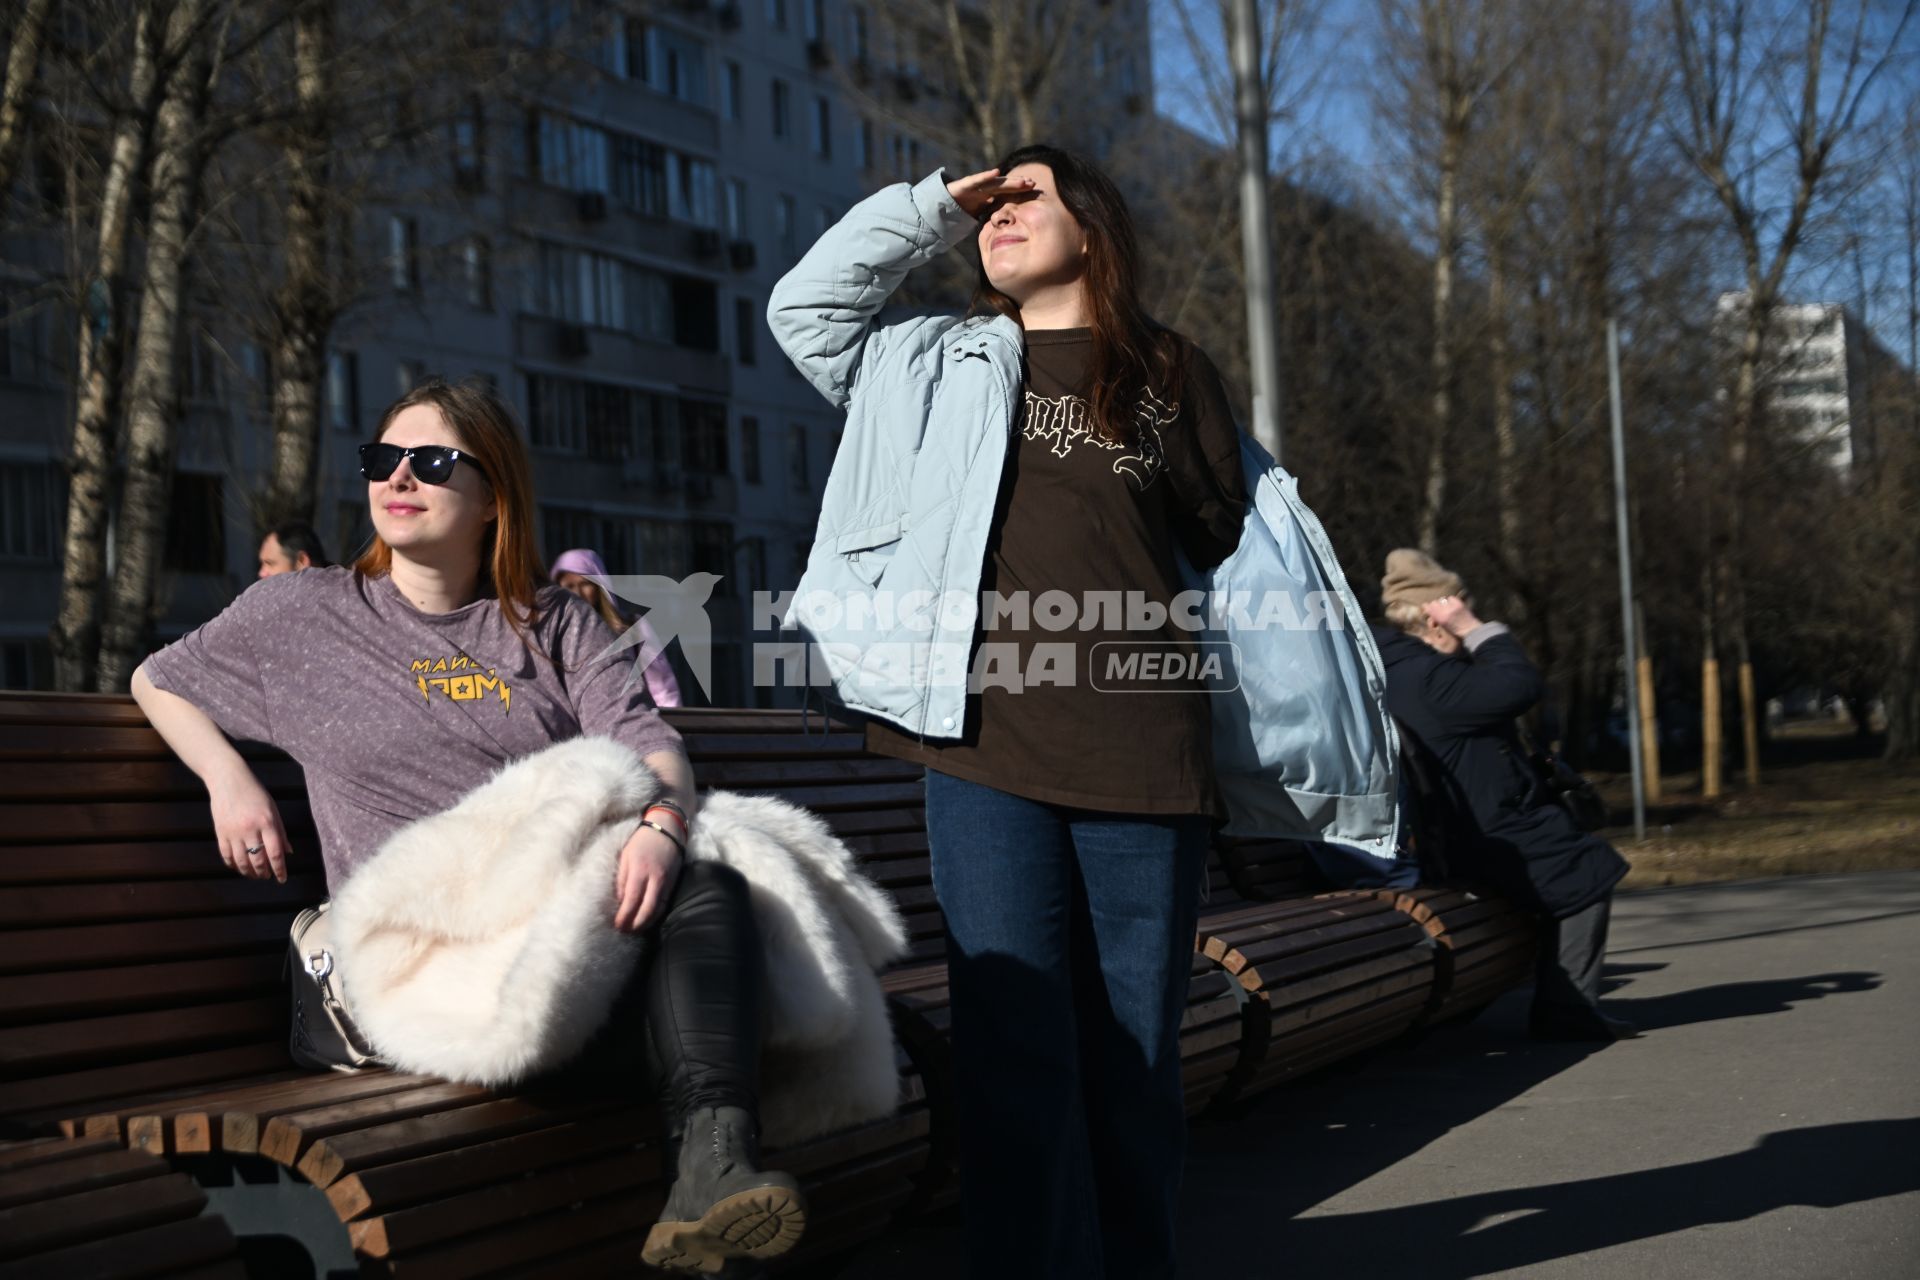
(1457, 685)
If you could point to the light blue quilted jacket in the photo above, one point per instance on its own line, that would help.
(1303, 746)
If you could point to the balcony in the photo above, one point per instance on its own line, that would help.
(608, 353)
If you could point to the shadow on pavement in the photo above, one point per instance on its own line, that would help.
(1271, 1160)
(1825, 1166)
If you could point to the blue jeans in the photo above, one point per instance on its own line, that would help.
(1070, 946)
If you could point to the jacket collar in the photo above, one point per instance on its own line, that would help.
(974, 335)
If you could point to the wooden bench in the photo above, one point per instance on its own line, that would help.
(141, 1003)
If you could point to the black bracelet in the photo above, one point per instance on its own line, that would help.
(678, 843)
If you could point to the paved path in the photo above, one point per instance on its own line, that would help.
(1767, 1125)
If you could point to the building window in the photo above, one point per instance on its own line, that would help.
(196, 526)
(469, 147)
(797, 475)
(863, 147)
(822, 219)
(476, 272)
(899, 155)
(750, 450)
(746, 326)
(200, 372)
(822, 127)
(777, 14)
(343, 390)
(782, 109)
(407, 374)
(736, 209)
(814, 18)
(690, 190)
(595, 289)
(26, 664)
(668, 61)
(785, 214)
(730, 89)
(640, 175)
(403, 253)
(30, 511)
(857, 32)
(703, 437)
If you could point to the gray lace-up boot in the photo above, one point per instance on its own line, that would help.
(722, 1206)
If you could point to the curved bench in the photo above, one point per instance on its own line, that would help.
(141, 1002)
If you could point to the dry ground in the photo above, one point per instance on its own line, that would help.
(1825, 803)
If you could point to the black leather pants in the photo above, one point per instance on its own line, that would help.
(692, 1009)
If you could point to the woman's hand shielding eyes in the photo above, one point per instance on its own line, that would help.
(977, 191)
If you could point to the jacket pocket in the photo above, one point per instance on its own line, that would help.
(869, 551)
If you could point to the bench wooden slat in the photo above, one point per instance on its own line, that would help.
(95, 781)
(329, 1156)
(47, 906)
(37, 1098)
(71, 1177)
(760, 746)
(142, 986)
(55, 1222)
(53, 1045)
(290, 1134)
(189, 1246)
(525, 1243)
(128, 820)
(75, 947)
(109, 861)
(525, 1197)
(423, 1178)
(26, 1152)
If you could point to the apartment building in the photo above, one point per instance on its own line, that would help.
(600, 246)
(1818, 375)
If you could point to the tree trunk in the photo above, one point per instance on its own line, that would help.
(154, 394)
(1506, 445)
(1445, 218)
(304, 305)
(75, 638)
(23, 68)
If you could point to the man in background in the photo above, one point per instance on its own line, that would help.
(290, 548)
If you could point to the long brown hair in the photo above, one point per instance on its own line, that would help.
(1132, 354)
(509, 566)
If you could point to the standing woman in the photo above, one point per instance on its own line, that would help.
(1069, 816)
(405, 681)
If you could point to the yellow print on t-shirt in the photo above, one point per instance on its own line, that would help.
(463, 680)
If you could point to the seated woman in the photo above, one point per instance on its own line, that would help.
(410, 678)
(1457, 684)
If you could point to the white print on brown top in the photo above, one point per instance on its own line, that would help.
(1063, 421)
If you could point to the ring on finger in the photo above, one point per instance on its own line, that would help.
(255, 850)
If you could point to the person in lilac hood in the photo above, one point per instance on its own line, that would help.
(401, 682)
(576, 570)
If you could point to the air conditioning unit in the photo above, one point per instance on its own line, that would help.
(570, 340)
(669, 478)
(706, 242)
(819, 54)
(729, 16)
(699, 488)
(593, 206)
(743, 254)
(906, 87)
(636, 473)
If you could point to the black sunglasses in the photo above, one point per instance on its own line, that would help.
(432, 463)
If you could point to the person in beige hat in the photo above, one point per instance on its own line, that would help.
(1456, 685)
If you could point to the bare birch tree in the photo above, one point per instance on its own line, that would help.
(24, 39)
(1442, 60)
(174, 183)
(100, 344)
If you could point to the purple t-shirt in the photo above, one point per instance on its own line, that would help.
(395, 714)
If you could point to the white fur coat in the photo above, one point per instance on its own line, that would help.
(478, 944)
